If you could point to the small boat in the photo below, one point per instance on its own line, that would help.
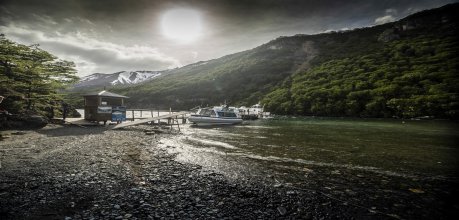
(214, 116)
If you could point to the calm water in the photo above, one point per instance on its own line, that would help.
(402, 168)
(410, 148)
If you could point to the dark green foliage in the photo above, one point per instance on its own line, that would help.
(31, 77)
(355, 75)
(410, 77)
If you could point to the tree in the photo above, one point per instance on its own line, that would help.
(30, 77)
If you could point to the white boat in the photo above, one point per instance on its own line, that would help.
(214, 116)
(254, 112)
(226, 108)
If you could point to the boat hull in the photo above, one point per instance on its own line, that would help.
(206, 121)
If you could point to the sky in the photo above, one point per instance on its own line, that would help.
(108, 36)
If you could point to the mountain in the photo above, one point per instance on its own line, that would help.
(120, 78)
(407, 68)
(97, 80)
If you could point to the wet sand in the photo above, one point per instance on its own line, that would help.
(69, 172)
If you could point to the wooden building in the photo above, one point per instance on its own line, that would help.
(98, 105)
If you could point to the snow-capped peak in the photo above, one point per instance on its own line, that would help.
(119, 78)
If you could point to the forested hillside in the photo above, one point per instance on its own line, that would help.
(407, 68)
(416, 74)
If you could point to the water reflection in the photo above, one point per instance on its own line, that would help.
(418, 148)
(398, 168)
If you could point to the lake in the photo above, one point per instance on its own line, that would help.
(393, 147)
(404, 164)
(405, 169)
(421, 148)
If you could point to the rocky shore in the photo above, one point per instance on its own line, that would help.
(68, 172)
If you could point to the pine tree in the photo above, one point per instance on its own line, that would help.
(30, 77)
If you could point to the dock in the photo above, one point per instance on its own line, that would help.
(168, 116)
(172, 116)
(141, 113)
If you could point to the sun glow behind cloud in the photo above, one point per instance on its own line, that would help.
(183, 25)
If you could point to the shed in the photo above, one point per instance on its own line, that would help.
(98, 105)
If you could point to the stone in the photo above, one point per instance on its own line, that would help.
(282, 210)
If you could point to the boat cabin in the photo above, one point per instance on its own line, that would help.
(210, 116)
(204, 112)
(222, 114)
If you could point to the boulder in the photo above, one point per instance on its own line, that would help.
(31, 118)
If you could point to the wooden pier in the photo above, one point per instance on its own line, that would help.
(141, 113)
(161, 114)
(171, 116)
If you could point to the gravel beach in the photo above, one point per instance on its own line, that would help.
(69, 172)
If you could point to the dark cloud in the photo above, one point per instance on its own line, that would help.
(113, 35)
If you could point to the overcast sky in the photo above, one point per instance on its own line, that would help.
(107, 36)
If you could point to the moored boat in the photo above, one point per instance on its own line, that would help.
(211, 116)
(254, 112)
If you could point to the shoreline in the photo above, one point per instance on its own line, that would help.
(95, 173)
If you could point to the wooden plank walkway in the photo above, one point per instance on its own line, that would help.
(122, 125)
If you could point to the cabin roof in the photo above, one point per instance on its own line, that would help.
(104, 94)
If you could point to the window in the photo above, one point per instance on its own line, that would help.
(112, 101)
(207, 112)
(227, 114)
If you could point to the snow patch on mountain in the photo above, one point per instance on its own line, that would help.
(114, 79)
(127, 77)
(91, 77)
(133, 77)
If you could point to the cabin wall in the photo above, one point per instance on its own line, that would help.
(93, 109)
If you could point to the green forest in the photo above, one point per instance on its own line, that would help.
(354, 73)
(415, 76)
